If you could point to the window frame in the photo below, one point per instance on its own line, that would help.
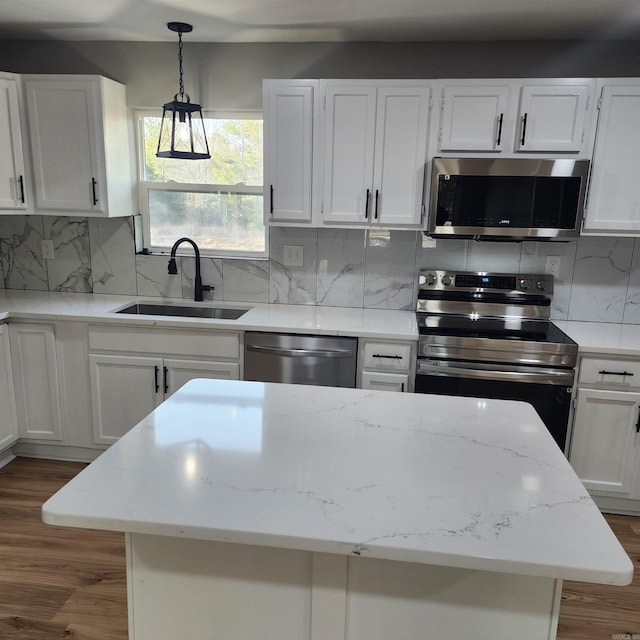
(145, 186)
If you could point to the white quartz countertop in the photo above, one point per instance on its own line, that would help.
(342, 321)
(458, 482)
(603, 338)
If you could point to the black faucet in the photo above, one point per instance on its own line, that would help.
(173, 268)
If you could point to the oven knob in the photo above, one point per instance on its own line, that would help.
(446, 280)
(541, 284)
(524, 284)
(431, 279)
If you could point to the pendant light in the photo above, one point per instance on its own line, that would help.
(182, 133)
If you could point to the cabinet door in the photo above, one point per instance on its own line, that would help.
(288, 145)
(604, 445)
(124, 390)
(12, 173)
(8, 419)
(473, 118)
(64, 120)
(349, 139)
(402, 122)
(178, 372)
(35, 375)
(385, 381)
(552, 118)
(614, 192)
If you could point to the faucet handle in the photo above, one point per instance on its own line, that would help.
(207, 287)
(173, 268)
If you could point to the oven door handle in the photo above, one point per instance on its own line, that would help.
(541, 377)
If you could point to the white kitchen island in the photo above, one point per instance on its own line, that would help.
(288, 512)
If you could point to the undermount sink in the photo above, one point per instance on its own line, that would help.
(150, 308)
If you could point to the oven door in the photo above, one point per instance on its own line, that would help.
(547, 390)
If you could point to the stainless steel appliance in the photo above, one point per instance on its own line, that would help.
(507, 198)
(489, 335)
(300, 359)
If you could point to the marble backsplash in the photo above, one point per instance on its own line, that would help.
(599, 276)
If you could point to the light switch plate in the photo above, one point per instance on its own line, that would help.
(293, 256)
(553, 265)
(47, 250)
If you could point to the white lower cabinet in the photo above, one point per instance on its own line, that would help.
(126, 388)
(605, 442)
(386, 365)
(36, 381)
(8, 419)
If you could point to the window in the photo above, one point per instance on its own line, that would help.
(216, 202)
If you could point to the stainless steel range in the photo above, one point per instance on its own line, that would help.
(489, 335)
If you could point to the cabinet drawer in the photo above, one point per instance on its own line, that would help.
(601, 371)
(387, 355)
(204, 344)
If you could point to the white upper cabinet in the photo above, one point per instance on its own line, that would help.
(514, 117)
(613, 204)
(289, 108)
(13, 181)
(473, 118)
(79, 145)
(375, 149)
(552, 117)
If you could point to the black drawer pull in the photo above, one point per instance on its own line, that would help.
(615, 373)
(638, 423)
(524, 129)
(21, 182)
(165, 375)
(499, 138)
(155, 373)
(380, 355)
(95, 194)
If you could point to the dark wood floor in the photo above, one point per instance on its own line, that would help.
(70, 583)
(55, 582)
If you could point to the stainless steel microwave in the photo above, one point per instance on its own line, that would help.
(507, 198)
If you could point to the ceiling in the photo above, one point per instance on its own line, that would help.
(322, 20)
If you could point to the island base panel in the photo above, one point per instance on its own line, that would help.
(193, 589)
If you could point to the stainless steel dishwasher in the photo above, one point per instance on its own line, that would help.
(327, 361)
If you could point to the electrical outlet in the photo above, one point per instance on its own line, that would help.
(47, 250)
(293, 256)
(553, 266)
(322, 267)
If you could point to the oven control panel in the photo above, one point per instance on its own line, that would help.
(528, 284)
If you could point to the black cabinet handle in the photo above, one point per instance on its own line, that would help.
(638, 423)
(603, 372)
(524, 129)
(21, 182)
(165, 377)
(375, 215)
(155, 373)
(366, 206)
(381, 355)
(271, 199)
(499, 137)
(402, 387)
(93, 187)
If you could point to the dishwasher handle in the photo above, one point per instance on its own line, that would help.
(317, 353)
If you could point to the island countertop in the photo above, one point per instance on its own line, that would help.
(458, 482)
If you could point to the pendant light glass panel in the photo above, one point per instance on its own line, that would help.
(182, 132)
